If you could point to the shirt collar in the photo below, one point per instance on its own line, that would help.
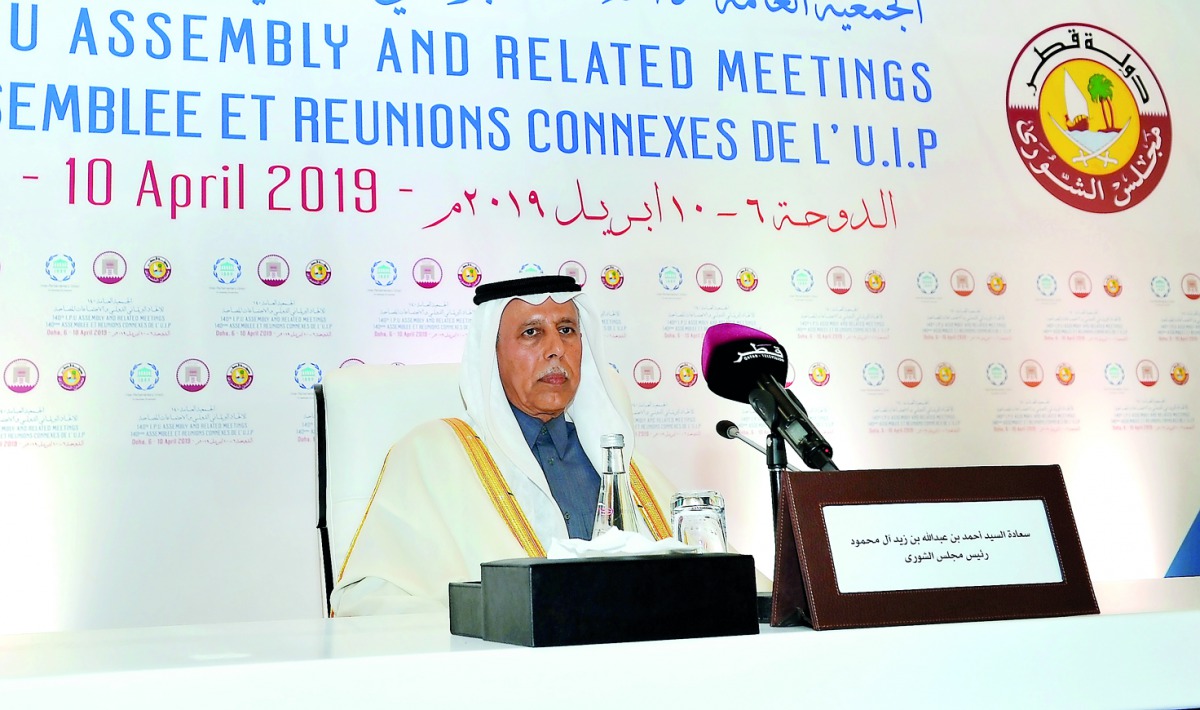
(531, 427)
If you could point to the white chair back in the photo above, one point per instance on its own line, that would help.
(361, 411)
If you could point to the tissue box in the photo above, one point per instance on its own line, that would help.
(539, 602)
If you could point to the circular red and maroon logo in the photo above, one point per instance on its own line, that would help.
(192, 375)
(1032, 373)
(273, 270)
(909, 373)
(962, 282)
(1089, 118)
(575, 270)
(647, 374)
(709, 278)
(427, 273)
(1080, 284)
(21, 375)
(838, 280)
(109, 267)
(1190, 285)
(1147, 373)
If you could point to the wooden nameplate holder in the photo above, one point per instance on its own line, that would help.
(914, 546)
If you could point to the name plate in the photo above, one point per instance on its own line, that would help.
(937, 545)
(887, 547)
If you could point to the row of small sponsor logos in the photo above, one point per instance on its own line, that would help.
(192, 375)
(273, 270)
(1030, 373)
(110, 268)
(909, 373)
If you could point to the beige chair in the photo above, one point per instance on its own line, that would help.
(361, 411)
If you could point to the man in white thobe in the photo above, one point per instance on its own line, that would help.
(520, 472)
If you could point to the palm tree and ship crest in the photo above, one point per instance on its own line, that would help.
(1094, 139)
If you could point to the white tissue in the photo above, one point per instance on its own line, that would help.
(615, 542)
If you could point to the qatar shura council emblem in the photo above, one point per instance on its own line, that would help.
(612, 278)
(819, 374)
(469, 274)
(686, 374)
(239, 376)
(1088, 118)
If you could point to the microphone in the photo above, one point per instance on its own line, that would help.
(747, 365)
(729, 430)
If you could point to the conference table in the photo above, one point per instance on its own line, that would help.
(1141, 651)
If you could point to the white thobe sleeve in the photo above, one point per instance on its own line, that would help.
(429, 523)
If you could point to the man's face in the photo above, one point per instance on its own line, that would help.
(539, 351)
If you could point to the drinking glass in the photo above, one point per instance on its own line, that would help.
(698, 518)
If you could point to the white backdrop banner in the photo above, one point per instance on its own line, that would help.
(966, 223)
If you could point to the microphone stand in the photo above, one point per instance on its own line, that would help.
(764, 405)
(776, 466)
